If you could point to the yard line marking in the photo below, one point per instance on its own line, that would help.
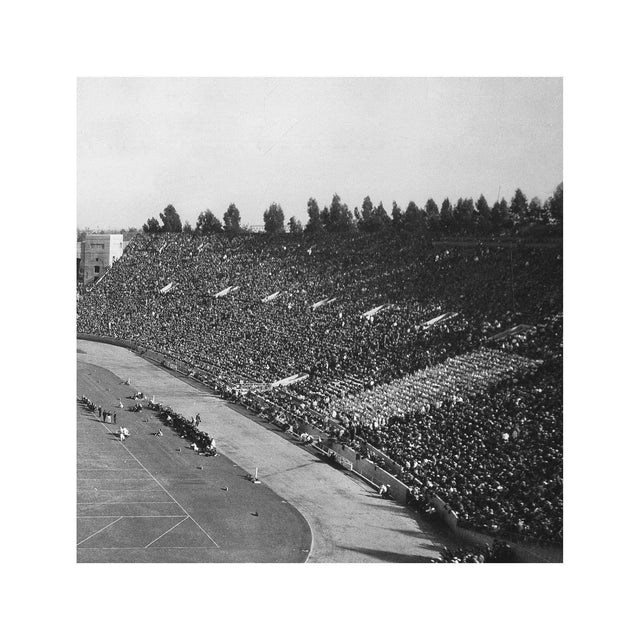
(99, 530)
(167, 531)
(140, 502)
(107, 444)
(93, 448)
(118, 478)
(111, 478)
(137, 548)
(99, 482)
(158, 483)
(123, 490)
(205, 533)
(114, 516)
(106, 460)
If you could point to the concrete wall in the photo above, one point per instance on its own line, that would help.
(523, 551)
(118, 342)
(372, 472)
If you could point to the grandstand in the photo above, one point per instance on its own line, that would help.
(447, 359)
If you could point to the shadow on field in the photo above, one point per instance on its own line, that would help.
(389, 556)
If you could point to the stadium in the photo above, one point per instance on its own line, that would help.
(335, 395)
(320, 317)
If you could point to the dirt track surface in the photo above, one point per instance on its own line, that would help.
(349, 522)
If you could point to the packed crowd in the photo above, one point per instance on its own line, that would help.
(392, 379)
(495, 458)
(454, 380)
(242, 339)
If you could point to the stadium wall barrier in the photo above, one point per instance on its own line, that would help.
(256, 402)
(183, 368)
(158, 358)
(372, 472)
(400, 492)
(392, 464)
(522, 551)
(445, 512)
(118, 342)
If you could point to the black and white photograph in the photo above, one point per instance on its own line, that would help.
(320, 320)
(333, 358)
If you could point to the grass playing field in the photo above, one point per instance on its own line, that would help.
(152, 499)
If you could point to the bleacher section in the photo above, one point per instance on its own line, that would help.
(401, 377)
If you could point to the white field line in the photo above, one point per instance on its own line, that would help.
(137, 548)
(158, 483)
(108, 470)
(124, 446)
(106, 460)
(167, 531)
(99, 530)
(132, 502)
(87, 449)
(123, 490)
(114, 516)
(112, 479)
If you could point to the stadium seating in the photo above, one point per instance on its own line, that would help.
(437, 398)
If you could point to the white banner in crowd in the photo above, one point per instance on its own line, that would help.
(167, 288)
(273, 296)
(226, 291)
(97, 282)
(434, 320)
(372, 312)
(322, 303)
(315, 305)
(445, 316)
(518, 330)
(285, 382)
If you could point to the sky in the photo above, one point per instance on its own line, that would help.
(202, 143)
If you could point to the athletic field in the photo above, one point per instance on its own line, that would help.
(152, 499)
